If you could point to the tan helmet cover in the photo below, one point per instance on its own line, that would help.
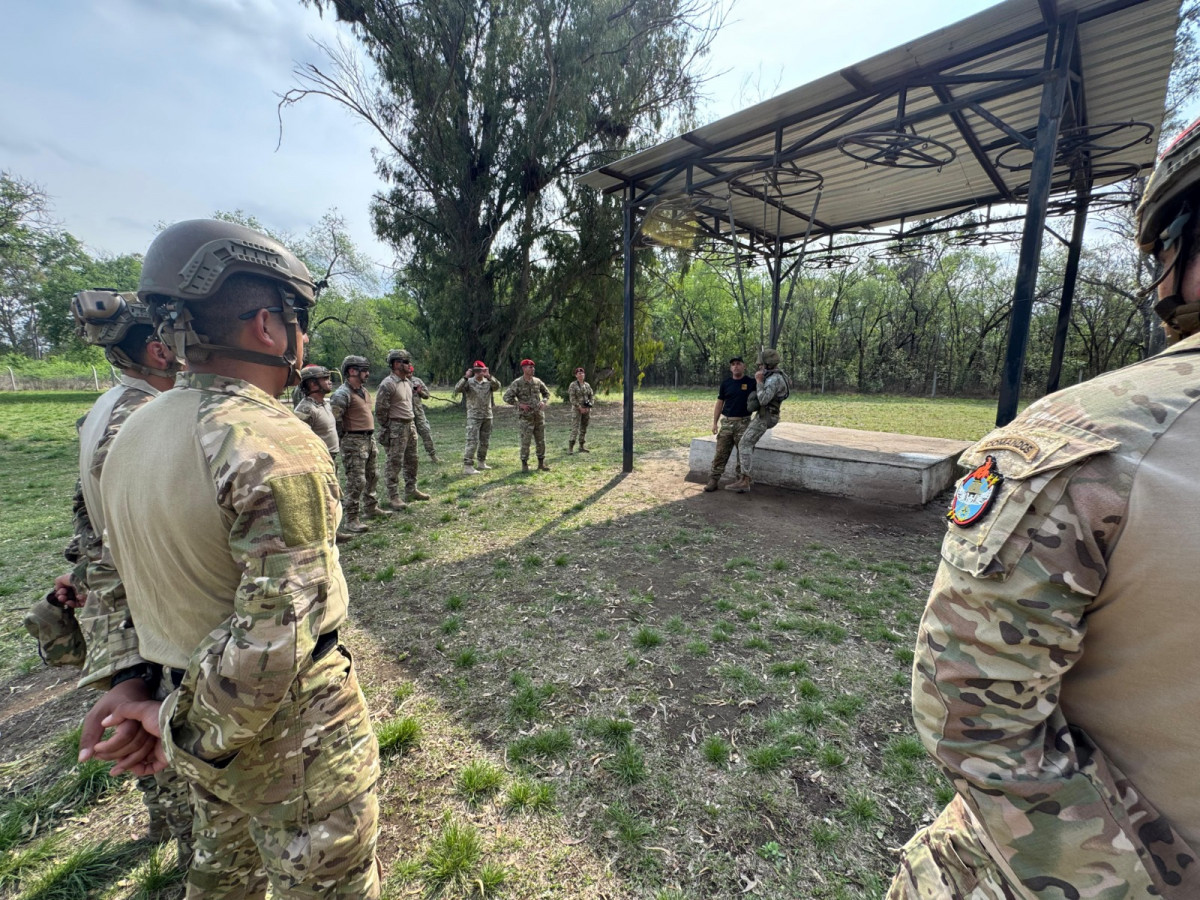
(308, 373)
(354, 362)
(769, 357)
(398, 356)
(103, 318)
(190, 261)
(1176, 176)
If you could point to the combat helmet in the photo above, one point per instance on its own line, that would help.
(1167, 218)
(398, 356)
(190, 261)
(103, 318)
(354, 362)
(769, 358)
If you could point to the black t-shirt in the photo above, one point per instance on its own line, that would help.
(735, 391)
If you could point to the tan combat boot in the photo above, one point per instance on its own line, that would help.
(583, 449)
(542, 467)
(524, 465)
(482, 465)
(571, 447)
(469, 469)
(415, 493)
(740, 486)
(713, 483)
(352, 525)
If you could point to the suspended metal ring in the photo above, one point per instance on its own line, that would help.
(897, 149)
(826, 260)
(982, 238)
(780, 182)
(1104, 202)
(1093, 141)
(900, 250)
(1106, 172)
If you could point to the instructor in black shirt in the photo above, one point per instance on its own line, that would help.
(730, 419)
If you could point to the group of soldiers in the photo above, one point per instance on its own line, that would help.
(1053, 671)
(352, 427)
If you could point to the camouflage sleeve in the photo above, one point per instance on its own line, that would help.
(510, 393)
(1005, 621)
(495, 383)
(573, 394)
(383, 398)
(461, 387)
(281, 538)
(84, 540)
(543, 390)
(769, 388)
(338, 402)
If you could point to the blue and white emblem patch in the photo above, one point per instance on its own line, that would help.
(975, 493)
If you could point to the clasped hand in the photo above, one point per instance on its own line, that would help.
(135, 744)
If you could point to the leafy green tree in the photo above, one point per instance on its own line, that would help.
(487, 110)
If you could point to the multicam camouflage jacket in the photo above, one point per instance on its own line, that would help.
(237, 592)
(104, 619)
(579, 394)
(478, 395)
(1055, 674)
(530, 393)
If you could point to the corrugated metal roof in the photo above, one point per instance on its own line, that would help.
(995, 58)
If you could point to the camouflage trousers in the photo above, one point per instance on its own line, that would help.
(533, 429)
(359, 461)
(401, 456)
(947, 861)
(753, 434)
(297, 806)
(728, 435)
(579, 424)
(479, 435)
(423, 429)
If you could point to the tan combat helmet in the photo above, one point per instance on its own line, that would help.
(105, 318)
(398, 356)
(354, 362)
(190, 261)
(311, 373)
(1167, 218)
(769, 358)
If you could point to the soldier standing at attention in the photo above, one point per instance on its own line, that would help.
(123, 326)
(581, 398)
(226, 545)
(394, 418)
(477, 387)
(351, 406)
(1056, 667)
(529, 395)
(731, 418)
(315, 410)
(773, 388)
(420, 392)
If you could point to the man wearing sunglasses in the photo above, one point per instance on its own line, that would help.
(1056, 666)
(221, 511)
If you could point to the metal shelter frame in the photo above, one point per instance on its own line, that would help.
(1040, 104)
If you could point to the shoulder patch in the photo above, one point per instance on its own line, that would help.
(301, 502)
(975, 493)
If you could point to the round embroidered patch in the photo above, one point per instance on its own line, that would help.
(975, 493)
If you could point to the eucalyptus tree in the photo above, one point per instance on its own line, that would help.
(486, 110)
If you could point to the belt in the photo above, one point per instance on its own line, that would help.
(324, 644)
(368, 431)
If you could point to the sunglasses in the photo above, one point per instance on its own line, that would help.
(300, 311)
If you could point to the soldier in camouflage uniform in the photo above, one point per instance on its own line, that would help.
(581, 398)
(226, 545)
(477, 387)
(315, 410)
(420, 422)
(1056, 667)
(355, 423)
(122, 325)
(773, 388)
(529, 395)
(394, 419)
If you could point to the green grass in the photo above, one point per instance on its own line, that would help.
(715, 750)
(398, 736)
(528, 796)
(552, 743)
(627, 765)
(478, 781)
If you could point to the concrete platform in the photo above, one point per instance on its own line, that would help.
(899, 469)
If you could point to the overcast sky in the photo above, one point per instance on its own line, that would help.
(133, 112)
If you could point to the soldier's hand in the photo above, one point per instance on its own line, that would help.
(124, 741)
(65, 593)
(716, 428)
(135, 745)
(759, 376)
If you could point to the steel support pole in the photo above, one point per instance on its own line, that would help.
(630, 373)
(1054, 90)
(1070, 277)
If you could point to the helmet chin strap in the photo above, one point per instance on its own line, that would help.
(1180, 315)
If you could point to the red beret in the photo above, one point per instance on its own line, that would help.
(528, 362)
(480, 364)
